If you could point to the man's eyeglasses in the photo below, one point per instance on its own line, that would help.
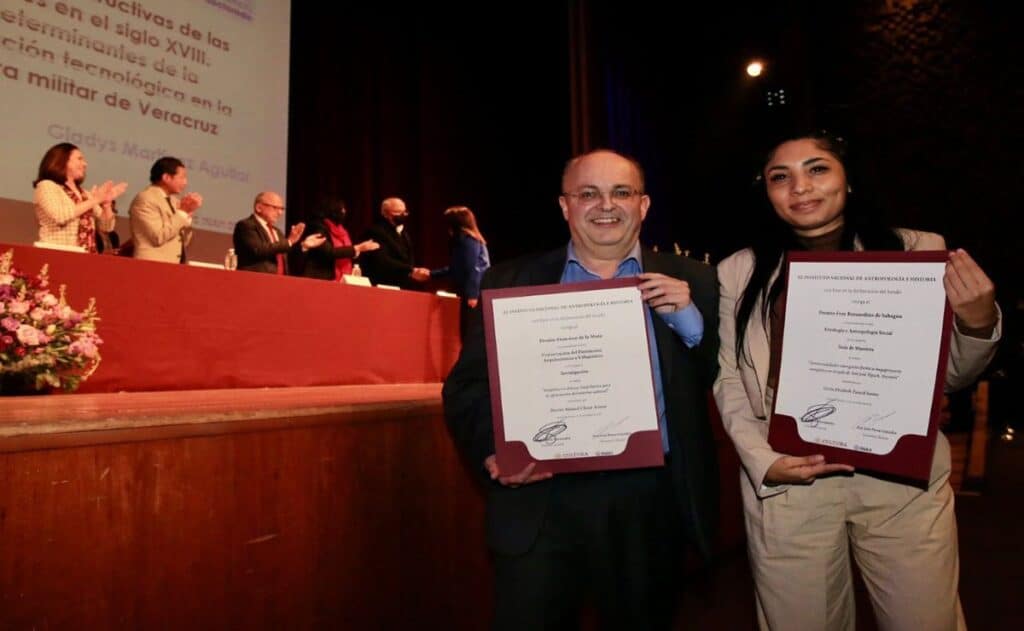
(281, 208)
(592, 194)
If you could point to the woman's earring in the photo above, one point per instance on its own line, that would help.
(849, 189)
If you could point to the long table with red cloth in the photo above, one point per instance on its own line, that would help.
(180, 327)
(264, 508)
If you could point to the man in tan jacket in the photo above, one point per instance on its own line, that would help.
(161, 221)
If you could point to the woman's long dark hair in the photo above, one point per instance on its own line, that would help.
(861, 221)
(54, 165)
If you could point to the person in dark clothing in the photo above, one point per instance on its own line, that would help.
(617, 534)
(392, 263)
(260, 246)
(333, 258)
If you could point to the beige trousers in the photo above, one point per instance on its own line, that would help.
(903, 540)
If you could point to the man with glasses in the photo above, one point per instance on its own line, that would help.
(617, 535)
(260, 246)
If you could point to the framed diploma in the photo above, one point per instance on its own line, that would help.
(570, 376)
(863, 361)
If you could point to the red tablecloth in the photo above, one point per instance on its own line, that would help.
(177, 327)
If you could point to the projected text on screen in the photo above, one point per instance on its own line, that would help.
(129, 81)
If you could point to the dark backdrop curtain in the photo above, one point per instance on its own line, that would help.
(437, 105)
(481, 106)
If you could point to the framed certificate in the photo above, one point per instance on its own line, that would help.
(570, 376)
(863, 360)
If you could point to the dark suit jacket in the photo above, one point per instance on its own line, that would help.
(320, 261)
(392, 263)
(255, 251)
(514, 516)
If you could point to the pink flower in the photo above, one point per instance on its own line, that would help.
(36, 324)
(29, 335)
(68, 316)
(83, 347)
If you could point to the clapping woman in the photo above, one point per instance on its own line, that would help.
(336, 256)
(67, 213)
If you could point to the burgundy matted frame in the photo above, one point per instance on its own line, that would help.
(911, 457)
(643, 449)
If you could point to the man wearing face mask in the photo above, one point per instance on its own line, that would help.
(334, 258)
(392, 263)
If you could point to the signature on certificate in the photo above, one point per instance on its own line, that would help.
(817, 412)
(877, 416)
(610, 426)
(547, 432)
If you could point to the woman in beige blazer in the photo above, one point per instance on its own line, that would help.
(68, 213)
(804, 516)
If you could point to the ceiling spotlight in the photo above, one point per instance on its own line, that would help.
(755, 68)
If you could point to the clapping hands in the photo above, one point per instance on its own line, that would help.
(108, 191)
(313, 241)
(296, 232)
(366, 246)
(191, 202)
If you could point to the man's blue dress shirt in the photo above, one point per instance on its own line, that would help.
(687, 323)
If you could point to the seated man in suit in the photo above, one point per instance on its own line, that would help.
(260, 246)
(161, 223)
(392, 263)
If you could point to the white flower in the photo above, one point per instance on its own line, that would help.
(28, 335)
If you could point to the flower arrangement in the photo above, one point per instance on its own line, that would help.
(44, 343)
